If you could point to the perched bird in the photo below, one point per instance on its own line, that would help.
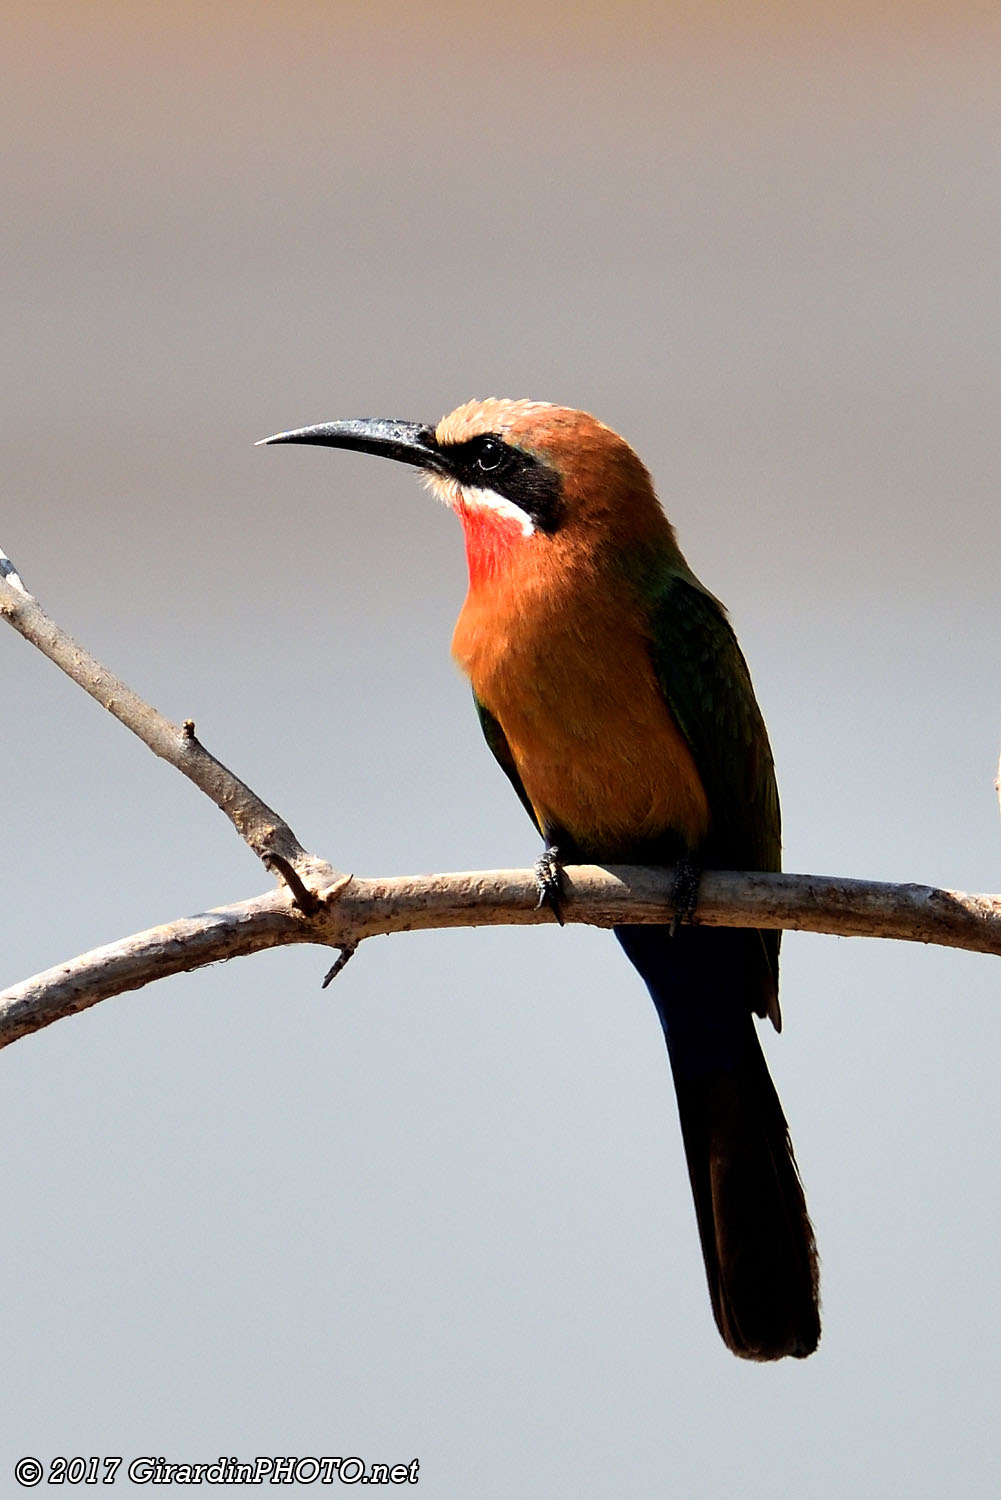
(612, 691)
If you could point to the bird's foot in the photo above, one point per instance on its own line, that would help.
(549, 882)
(684, 893)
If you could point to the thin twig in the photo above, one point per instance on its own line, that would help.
(270, 837)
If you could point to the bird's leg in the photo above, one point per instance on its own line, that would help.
(684, 892)
(549, 880)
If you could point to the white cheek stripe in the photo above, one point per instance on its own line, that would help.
(454, 494)
(478, 499)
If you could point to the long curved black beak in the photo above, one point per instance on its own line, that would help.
(407, 442)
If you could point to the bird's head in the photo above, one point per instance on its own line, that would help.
(520, 475)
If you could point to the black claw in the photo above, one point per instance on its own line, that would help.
(684, 893)
(549, 882)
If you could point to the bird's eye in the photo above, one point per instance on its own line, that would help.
(490, 456)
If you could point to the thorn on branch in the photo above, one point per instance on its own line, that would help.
(343, 958)
(303, 897)
(189, 729)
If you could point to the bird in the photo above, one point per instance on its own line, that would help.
(612, 691)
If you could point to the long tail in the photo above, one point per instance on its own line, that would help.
(757, 1240)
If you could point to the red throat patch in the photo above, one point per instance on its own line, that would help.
(490, 539)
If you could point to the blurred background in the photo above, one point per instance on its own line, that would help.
(440, 1210)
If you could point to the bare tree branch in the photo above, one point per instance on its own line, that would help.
(270, 837)
(321, 906)
(353, 909)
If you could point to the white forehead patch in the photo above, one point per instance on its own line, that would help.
(453, 493)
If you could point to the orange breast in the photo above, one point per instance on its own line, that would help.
(567, 673)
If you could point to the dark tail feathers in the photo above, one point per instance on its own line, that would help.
(757, 1240)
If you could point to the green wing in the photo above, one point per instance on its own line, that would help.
(497, 740)
(704, 678)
